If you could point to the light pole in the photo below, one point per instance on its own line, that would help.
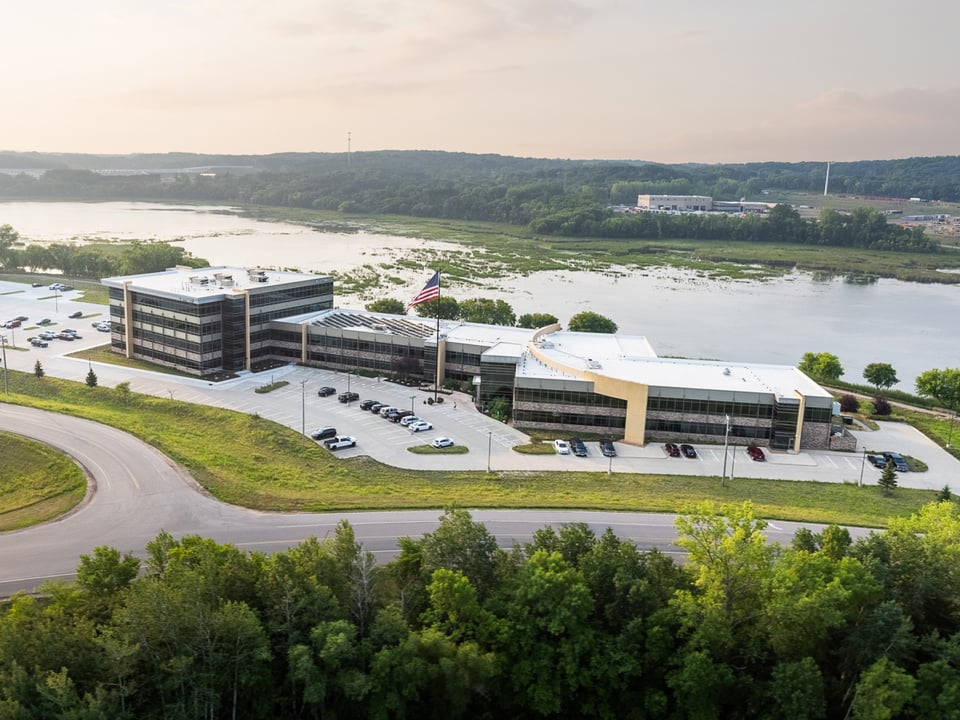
(950, 432)
(733, 461)
(3, 342)
(489, 446)
(303, 407)
(726, 440)
(863, 461)
(412, 398)
(610, 465)
(56, 300)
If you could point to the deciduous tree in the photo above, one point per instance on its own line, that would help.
(881, 375)
(591, 322)
(389, 306)
(821, 366)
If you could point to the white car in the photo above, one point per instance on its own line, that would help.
(409, 420)
(442, 442)
(340, 441)
(420, 425)
(385, 409)
(562, 447)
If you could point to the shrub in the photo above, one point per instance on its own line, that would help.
(881, 406)
(849, 404)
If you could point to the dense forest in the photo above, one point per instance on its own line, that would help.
(573, 624)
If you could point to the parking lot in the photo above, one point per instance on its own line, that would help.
(298, 406)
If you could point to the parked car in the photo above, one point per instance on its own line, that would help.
(340, 441)
(39, 342)
(367, 404)
(75, 315)
(756, 453)
(420, 425)
(561, 447)
(607, 448)
(36, 284)
(45, 321)
(67, 336)
(21, 318)
(375, 408)
(382, 412)
(688, 451)
(877, 461)
(324, 433)
(392, 415)
(409, 420)
(326, 391)
(348, 397)
(579, 449)
(899, 464)
(442, 442)
(103, 327)
(398, 417)
(10, 324)
(671, 450)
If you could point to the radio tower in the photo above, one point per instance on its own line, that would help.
(826, 183)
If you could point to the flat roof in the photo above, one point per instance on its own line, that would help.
(208, 281)
(632, 359)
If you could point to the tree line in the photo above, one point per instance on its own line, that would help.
(91, 261)
(571, 624)
(549, 196)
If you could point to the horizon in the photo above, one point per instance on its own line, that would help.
(684, 82)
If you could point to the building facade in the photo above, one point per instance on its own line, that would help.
(675, 203)
(211, 320)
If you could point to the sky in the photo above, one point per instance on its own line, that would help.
(660, 80)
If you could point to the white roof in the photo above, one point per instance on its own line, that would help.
(632, 359)
(208, 281)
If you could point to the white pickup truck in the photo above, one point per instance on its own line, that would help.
(340, 441)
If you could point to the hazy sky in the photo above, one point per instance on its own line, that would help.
(665, 80)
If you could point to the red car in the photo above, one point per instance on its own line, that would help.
(756, 453)
(672, 450)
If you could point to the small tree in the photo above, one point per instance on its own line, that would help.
(38, 370)
(591, 322)
(944, 495)
(391, 306)
(123, 393)
(849, 403)
(536, 320)
(91, 378)
(821, 366)
(888, 479)
(448, 308)
(881, 375)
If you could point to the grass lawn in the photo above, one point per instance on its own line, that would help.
(266, 466)
(38, 483)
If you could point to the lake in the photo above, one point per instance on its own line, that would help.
(911, 326)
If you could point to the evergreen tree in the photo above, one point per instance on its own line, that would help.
(38, 370)
(888, 480)
(91, 378)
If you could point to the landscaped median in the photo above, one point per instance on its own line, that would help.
(38, 483)
(249, 461)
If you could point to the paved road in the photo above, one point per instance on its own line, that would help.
(135, 492)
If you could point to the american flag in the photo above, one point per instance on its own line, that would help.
(431, 291)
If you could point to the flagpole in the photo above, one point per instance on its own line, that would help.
(436, 380)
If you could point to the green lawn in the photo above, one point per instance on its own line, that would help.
(266, 466)
(37, 484)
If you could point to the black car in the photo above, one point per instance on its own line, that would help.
(577, 447)
(75, 315)
(324, 433)
(688, 451)
(400, 415)
(375, 408)
(607, 448)
(671, 450)
(877, 461)
(45, 321)
(348, 397)
(367, 404)
(393, 414)
(21, 318)
(326, 391)
(36, 284)
(898, 462)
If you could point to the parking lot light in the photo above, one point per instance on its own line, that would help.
(489, 445)
(863, 461)
(3, 343)
(412, 400)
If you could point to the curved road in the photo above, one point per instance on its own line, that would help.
(135, 492)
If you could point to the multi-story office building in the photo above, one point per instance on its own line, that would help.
(210, 320)
(218, 320)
